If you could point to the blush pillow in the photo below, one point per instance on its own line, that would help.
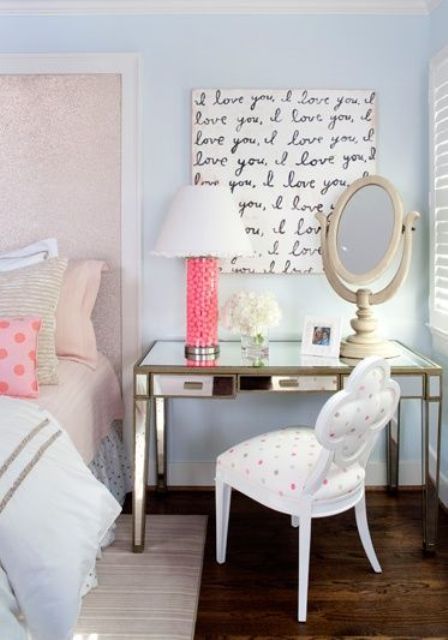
(18, 345)
(75, 335)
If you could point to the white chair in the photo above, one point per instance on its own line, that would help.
(313, 473)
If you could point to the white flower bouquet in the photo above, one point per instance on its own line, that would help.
(251, 314)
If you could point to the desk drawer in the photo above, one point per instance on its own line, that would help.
(193, 386)
(289, 383)
(411, 386)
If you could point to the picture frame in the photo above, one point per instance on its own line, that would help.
(321, 336)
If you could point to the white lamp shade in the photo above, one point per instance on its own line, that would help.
(203, 221)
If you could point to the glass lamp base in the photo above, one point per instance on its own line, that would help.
(202, 309)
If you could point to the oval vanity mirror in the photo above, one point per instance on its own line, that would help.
(359, 242)
(367, 232)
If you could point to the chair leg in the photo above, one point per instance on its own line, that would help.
(304, 564)
(364, 534)
(223, 494)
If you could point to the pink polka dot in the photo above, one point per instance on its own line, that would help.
(367, 418)
(3, 354)
(32, 355)
(19, 369)
(36, 324)
(293, 486)
(19, 337)
(260, 462)
(4, 324)
(332, 435)
(4, 386)
(325, 481)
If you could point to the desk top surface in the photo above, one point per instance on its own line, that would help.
(284, 357)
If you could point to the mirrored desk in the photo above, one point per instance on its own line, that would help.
(164, 373)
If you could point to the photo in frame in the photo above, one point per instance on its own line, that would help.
(321, 336)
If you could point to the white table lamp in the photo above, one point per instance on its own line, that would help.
(202, 225)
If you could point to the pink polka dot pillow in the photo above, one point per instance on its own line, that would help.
(18, 344)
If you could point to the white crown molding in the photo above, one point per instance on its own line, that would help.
(129, 7)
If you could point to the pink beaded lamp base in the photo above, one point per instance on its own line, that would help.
(202, 308)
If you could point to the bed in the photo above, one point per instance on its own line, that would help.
(88, 404)
(61, 409)
(73, 177)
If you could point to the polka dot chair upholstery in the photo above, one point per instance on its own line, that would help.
(311, 473)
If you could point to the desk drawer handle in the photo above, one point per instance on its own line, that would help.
(289, 383)
(193, 385)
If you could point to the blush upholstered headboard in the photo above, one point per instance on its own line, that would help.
(70, 170)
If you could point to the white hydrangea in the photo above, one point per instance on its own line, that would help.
(250, 313)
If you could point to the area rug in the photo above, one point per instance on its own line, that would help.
(151, 595)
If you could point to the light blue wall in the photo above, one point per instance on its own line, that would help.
(438, 34)
(385, 53)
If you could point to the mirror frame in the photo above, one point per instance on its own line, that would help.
(333, 229)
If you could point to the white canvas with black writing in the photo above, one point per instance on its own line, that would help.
(286, 155)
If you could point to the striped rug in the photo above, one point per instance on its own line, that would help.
(151, 595)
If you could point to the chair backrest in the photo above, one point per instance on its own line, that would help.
(350, 421)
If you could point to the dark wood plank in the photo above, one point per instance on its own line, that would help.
(254, 595)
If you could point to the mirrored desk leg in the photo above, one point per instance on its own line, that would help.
(393, 452)
(161, 411)
(141, 408)
(432, 423)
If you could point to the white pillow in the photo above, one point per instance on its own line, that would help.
(31, 254)
(52, 522)
(11, 627)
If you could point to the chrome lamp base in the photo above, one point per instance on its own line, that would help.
(202, 354)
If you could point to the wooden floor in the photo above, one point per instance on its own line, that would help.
(253, 596)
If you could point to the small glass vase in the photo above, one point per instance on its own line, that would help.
(255, 347)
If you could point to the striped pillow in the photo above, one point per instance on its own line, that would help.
(34, 291)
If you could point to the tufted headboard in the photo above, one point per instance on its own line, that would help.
(70, 170)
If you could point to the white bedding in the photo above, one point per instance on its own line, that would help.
(12, 626)
(53, 517)
(85, 403)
